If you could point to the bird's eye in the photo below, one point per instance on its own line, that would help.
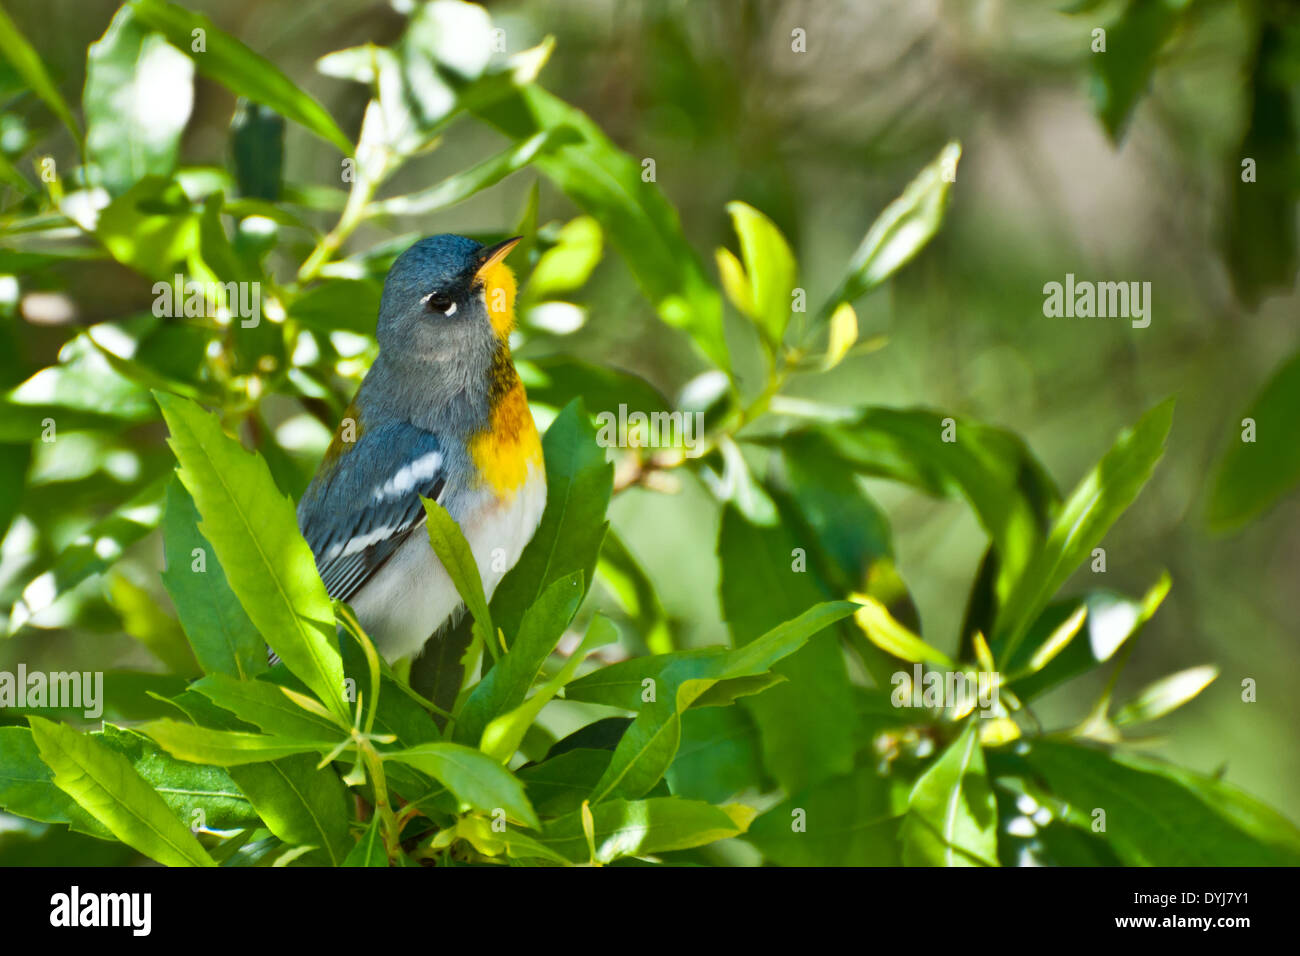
(440, 302)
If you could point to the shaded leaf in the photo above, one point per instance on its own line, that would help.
(849, 820)
(507, 683)
(21, 55)
(369, 850)
(1120, 74)
(805, 723)
(1160, 815)
(223, 637)
(1252, 475)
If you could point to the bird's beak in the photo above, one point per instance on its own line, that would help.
(491, 255)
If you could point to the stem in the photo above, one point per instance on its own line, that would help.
(375, 767)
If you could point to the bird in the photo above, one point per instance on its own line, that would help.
(441, 414)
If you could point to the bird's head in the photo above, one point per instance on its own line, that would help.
(448, 298)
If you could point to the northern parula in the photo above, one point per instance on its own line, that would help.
(442, 413)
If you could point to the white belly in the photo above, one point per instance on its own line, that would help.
(411, 596)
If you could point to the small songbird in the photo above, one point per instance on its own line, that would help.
(441, 414)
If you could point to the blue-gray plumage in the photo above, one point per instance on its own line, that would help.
(438, 416)
(378, 489)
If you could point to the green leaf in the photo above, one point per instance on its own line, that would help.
(229, 62)
(149, 624)
(739, 487)
(1167, 694)
(82, 391)
(349, 305)
(14, 461)
(805, 723)
(475, 778)
(1112, 619)
(224, 639)
(769, 271)
(895, 639)
(150, 228)
(1253, 475)
(445, 41)
(185, 787)
(478, 177)
(624, 828)
(557, 380)
(622, 684)
(718, 756)
(91, 553)
(57, 846)
(300, 804)
(480, 833)
(1009, 491)
(843, 335)
(503, 736)
(1121, 73)
(852, 532)
(559, 784)
(579, 482)
(507, 683)
(568, 264)
(1260, 233)
(254, 532)
(21, 55)
(606, 183)
(229, 748)
(849, 820)
(27, 786)
(257, 151)
(900, 231)
(139, 91)
(108, 788)
(456, 557)
(369, 850)
(1085, 517)
(952, 813)
(266, 706)
(646, 750)
(1160, 815)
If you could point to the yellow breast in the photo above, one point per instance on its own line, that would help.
(504, 450)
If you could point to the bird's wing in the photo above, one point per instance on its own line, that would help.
(365, 501)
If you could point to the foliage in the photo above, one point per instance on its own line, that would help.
(808, 738)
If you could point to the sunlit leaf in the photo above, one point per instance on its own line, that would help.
(255, 535)
(231, 63)
(139, 91)
(1165, 695)
(105, 784)
(1085, 517)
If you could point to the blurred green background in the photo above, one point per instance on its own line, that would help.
(821, 141)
